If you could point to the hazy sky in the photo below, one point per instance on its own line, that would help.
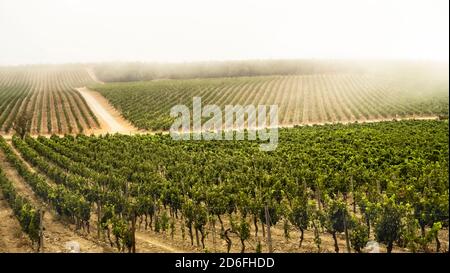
(57, 31)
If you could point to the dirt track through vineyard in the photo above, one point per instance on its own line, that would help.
(109, 118)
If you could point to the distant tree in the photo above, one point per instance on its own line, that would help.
(20, 125)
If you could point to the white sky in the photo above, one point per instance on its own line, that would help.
(58, 31)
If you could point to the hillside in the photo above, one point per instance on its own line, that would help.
(47, 98)
(301, 99)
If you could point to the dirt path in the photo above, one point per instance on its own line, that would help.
(110, 119)
(144, 239)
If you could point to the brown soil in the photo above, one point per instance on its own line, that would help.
(111, 121)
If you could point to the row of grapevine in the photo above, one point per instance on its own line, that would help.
(47, 98)
(29, 216)
(67, 203)
(368, 181)
(108, 195)
(301, 99)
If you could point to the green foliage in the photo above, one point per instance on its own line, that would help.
(147, 104)
(201, 216)
(258, 247)
(286, 229)
(165, 221)
(389, 223)
(359, 236)
(26, 213)
(242, 230)
(172, 228)
(183, 231)
(20, 126)
(336, 217)
(149, 175)
(299, 215)
(157, 224)
(336, 212)
(274, 214)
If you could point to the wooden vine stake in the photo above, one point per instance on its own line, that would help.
(269, 238)
(41, 231)
(347, 242)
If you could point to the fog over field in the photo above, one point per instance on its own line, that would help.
(206, 126)
(62, 31)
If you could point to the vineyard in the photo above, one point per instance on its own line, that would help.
(243, 136)
(45, 97)
(301, 99)
(329, 188)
